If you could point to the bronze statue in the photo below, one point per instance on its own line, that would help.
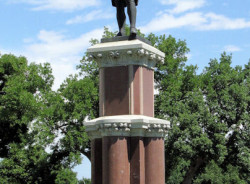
(121, 17)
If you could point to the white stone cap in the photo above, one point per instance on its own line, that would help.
(127, 125)
(121, 45)
(123, 53)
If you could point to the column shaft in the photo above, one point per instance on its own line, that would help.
(154, 161)
(96, 161)
(137, 162)
(116, 167)
(116, 91)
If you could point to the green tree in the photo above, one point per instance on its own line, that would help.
(23, 87)
(209, 116)
(20, 87)
(66, 176)
(29, 152)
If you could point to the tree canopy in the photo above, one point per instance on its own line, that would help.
(42, 136)
(209, 114)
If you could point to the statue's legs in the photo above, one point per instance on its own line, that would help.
(121, 17)
(132, 16)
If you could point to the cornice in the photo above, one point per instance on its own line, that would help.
(125, 53)
(127, 125)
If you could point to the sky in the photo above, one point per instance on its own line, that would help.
(58, 31)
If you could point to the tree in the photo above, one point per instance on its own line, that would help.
(209, 116)
(20, 86)
(23, 87)
(227, 91)
(66, 176)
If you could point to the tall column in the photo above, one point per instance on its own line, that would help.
(137, 160)
(96, 160)
(127, 136)
(116, 168)
(154, 160)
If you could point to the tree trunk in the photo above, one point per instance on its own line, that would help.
(192, 170)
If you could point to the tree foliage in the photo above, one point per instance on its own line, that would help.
(209, 113)
(20, 86)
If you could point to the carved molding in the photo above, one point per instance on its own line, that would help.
(127, 125)
(125, 53)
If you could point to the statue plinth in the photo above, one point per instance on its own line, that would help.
(125, 38)
(127, 141)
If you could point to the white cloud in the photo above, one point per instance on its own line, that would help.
(94, 15)
(63, 53)
(183, 5)
(231, 48)
(196, 21)
(169, 21)
(220, 22)
(178, 17)
(54, 45)
(65, 5)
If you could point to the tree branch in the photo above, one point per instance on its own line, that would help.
(192, 170)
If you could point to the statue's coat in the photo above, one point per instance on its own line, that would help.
(125, 4)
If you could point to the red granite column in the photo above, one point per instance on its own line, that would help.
(115, 153)
(154, 161)
(143, 91)
(137, 161)
(148, 91)
(116, 90)
(126, 90)
(96, 161)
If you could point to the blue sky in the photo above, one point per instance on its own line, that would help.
(58, 31)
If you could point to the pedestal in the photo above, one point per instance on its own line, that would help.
(127, 141)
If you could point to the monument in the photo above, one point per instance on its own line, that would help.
(127, 142)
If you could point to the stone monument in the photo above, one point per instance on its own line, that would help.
(127, 142)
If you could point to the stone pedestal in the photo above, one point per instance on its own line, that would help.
(127, 141)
